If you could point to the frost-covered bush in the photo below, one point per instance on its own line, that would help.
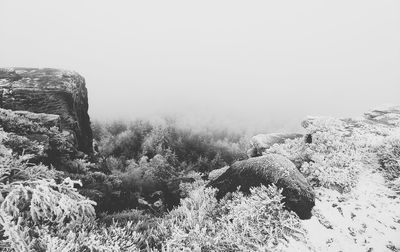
(121, 140)
(256, 222)
(116, 237)
(332, 159)
(34, 206)
(242, 223)
(16, 169)
(389, 156)
(81, 166)
(294, 149)
(149, 175)
(30, 206)
(45, 141)
(336, 157)
(127, 237)
(22, 145)
(259, 222)
(335, 161)
(12, 122)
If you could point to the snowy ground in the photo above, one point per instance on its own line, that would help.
(366, 219)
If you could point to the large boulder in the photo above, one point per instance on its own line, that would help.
(261, 142)
(50, 91)
(267, 170)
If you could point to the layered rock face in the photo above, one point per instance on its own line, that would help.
(261, 142)
(50, 91)
(389, 116)
(266, 170)
(382, 118)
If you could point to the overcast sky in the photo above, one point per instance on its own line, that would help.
(248, 64)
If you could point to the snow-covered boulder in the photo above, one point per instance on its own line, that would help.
(266, 170)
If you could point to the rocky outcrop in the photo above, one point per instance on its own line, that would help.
(389, 116)
(217, 172)
(261, 142)
(383, 118)
(266, 170)
(50, 91)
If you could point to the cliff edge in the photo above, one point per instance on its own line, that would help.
(50, 91)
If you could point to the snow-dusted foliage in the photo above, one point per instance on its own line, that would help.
(33, 206)
(331, 160)
(335, 160)
(389, 158)
(339, 148)
(39, 205)
(39, 214)
(41, 209)
(241, 223)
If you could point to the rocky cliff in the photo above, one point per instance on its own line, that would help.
(50, 91)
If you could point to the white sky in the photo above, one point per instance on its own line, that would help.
(241, 63)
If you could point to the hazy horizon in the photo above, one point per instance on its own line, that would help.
(242, 65)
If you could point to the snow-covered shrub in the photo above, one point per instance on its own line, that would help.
(22, 145)
(336, 158)
(389, 156)
(332, 160)
(187, 187)
(259, 222)
(256, 222)
(114, 238)
(12, 122)
(34, 205)
(293, 149)
(81, 166)
(126, 237)
(17, 169)
(149, 175)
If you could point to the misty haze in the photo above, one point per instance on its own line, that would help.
(200, 125)
(260, 65)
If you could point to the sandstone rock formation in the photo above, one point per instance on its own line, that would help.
(389, 116)
(382, 118)
(50, 91)
(217, 172)
(266, 170)
(261, 142)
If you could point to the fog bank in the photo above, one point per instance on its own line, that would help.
(243, 65)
